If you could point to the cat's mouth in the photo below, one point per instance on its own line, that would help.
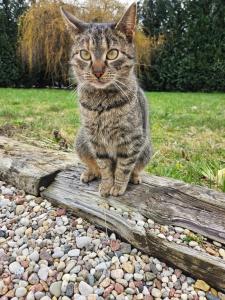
(100, 83)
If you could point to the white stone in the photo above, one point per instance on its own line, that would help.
(43, 273)
(21, 292)
(30, 296)
(156, 293)
(165, 279)
(58, 253)
(170, 238)
(83, 241)
(159, 267)
(85, 289)
(117, 274)
(174, 278)
(193, 244)
(16, 268)
(55, 288)
(25, 221)
(74, 252)
(60, 229)
(34, 256)
(222, 252)
(179, 229)
(161, 235)
(138, 276)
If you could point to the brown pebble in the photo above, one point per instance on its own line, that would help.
(158, 284)
(172, 292)
(119, 288)
(7, 280)
(10, 293)
(24, 263)
(115, 245)
(108, 290)
(148, 297)
(60, 212)
(211, 251)
(132, 285)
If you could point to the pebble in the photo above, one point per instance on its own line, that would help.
(222, 253)
(34, 256)
(85, 289)
(58, 253)
(138, 276)
(74, 253)
(83, 241)
(55, 288)
(193, 244)
(43, 273)
(16, 268)
(117, 274)
(202, 285)
(156, 293)
(21, 292)
(128, 267)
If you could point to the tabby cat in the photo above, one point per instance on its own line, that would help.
(113, 141)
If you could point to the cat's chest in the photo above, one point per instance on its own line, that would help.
(101, 125)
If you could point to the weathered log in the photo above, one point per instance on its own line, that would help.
(166, 201)
(29, 167)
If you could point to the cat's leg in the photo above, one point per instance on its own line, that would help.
(106, 171)
(122, 174)
(84, 152)
(142, 161)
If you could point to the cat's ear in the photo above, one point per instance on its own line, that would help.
(128, 21)
(74, 23)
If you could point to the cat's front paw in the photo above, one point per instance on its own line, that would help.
(104, 188)
(118, 190)
(87, 176)
(135, 179)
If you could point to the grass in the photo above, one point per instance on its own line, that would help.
(188, 129)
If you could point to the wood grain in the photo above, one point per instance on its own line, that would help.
(28, 167)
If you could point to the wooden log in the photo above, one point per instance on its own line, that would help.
(28, 167)
(164, 200)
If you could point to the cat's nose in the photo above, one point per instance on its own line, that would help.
(98, 69)
(98, 74)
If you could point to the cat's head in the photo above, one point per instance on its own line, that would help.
(103, 53)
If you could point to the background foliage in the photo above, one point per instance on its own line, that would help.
(180, 43)
(193, 55)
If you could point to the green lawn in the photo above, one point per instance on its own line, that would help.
(188, 129)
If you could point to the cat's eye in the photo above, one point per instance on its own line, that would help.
(112, 54)
(84, 54)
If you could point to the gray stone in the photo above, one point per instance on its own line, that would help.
(43, 273)
(74, 253)
(85, 289)
(55, 288)
(83, 241)
(70, 290)
(34, 256)
(156, 293)
(33, 278)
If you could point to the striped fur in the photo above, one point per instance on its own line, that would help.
(113, 140)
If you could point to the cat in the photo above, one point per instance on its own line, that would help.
(113, 141)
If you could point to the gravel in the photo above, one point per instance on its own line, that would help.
(46, 254)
